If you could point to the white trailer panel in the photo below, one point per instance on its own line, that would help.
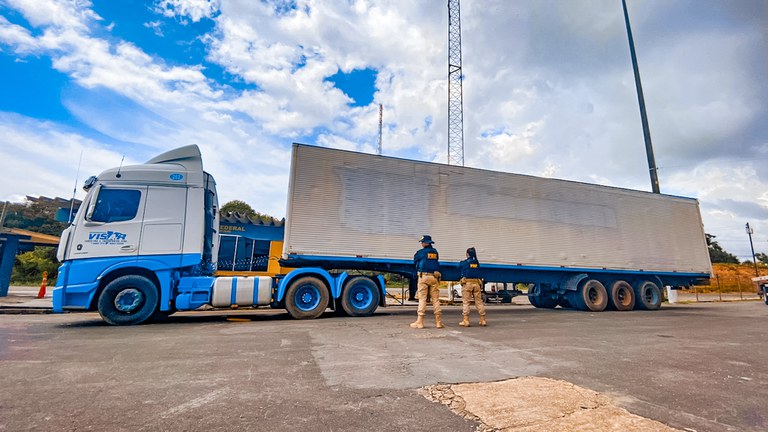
(347, 204)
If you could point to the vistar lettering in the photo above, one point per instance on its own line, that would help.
(108, 237)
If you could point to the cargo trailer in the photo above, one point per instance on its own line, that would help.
(145, 242)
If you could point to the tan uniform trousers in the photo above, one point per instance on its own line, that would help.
(428, 283)
(472, 288)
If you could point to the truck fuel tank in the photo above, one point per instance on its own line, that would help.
(242, 291)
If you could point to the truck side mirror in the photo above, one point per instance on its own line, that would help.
(92, 203)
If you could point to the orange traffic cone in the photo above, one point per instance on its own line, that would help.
(41, 293)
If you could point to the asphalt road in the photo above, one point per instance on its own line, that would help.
(695, 366)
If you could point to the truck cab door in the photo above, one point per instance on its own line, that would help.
(163, 224)
(111, 224)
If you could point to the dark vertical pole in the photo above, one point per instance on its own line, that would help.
(9, 248)
(719, 289)
(752, 247)
(641, 101)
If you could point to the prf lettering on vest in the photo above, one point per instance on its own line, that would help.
(431, 255)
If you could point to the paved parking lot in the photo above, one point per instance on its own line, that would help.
(695, 366)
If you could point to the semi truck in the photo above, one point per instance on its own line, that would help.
(145, 241)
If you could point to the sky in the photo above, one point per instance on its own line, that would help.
(548, 91)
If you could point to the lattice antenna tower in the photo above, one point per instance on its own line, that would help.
(455, 91)
(381, 124)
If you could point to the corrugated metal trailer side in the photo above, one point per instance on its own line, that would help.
(577, 244)
(347, 204)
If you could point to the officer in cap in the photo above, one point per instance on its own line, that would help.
(471, 287)
(427, 266)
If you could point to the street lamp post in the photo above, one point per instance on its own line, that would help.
(641, 100)
(751, 246)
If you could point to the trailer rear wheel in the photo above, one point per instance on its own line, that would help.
(128, 300)
(621, 296)
(648, 295)
(590, 296)
(360, 297)
(306, 298)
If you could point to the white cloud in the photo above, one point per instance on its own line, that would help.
(156, 26)
(19, 38)
(73, 14)
(50, 159)
(503, 148)
(192, 9)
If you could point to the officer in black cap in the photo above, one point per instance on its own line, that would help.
(427, 266)
(471, 287)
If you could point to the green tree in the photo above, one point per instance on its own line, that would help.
(238, 206)
(29, 266)
(717, 254)
(761, 258)
(38, 216)
(245, 209)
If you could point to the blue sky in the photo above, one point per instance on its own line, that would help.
(548, 91)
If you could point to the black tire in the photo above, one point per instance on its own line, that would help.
(621, 296)
(306, 298)
(563, 302)
(590, 296)
(647, 296)
(128, 300)
(541, 300)
(360, 297)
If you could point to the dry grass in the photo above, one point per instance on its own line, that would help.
(733, 278)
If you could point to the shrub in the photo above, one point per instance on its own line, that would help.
(29, 266)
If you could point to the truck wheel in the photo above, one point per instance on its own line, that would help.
(306, 298)
(128, 300)
(563, 302)
(621, 296)
(360, 297)
(541, 300)
(590, 296)
(648, 295)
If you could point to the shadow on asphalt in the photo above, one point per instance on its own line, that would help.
(214, 317)
(264, 315)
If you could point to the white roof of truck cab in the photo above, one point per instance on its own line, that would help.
(183, 165)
